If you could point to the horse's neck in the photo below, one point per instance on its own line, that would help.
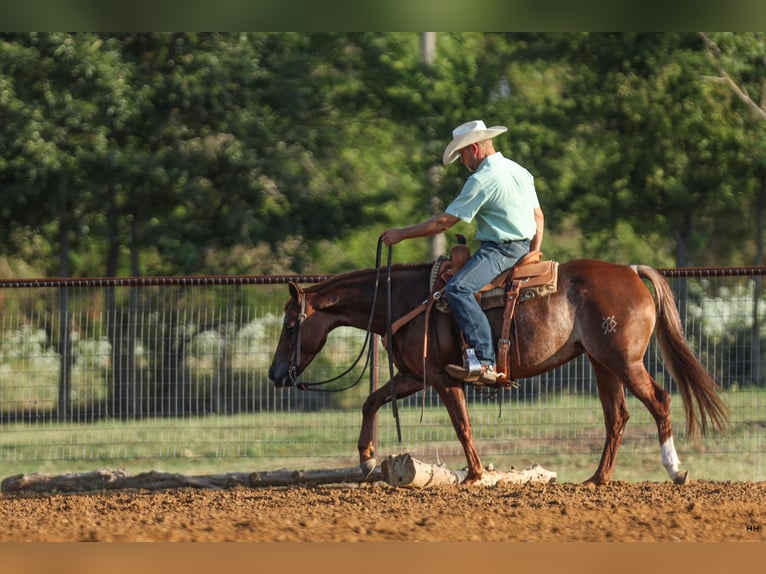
(350, 297)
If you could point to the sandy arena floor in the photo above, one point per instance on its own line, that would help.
(699, 511)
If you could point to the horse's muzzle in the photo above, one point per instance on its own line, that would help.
(280, 375)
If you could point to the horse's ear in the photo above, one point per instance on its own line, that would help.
(294, 290)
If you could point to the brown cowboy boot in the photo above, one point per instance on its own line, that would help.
(488, 376)
(470, 370)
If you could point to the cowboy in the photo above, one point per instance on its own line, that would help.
(500, 194)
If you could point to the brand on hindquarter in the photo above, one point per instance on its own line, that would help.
(609, 325)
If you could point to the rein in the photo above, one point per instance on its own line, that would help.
(297, 357)
(365, 346)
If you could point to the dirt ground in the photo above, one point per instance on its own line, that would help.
(699, 511)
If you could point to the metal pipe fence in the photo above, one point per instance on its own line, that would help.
(171, 373)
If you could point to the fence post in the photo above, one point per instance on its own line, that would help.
(66, 360)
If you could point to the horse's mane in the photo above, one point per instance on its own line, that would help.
(351, 276)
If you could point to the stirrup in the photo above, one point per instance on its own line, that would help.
(471, 363)
(469, 371)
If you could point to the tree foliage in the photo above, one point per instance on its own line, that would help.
(165, 153)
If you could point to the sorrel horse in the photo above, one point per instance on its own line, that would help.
(602, 309)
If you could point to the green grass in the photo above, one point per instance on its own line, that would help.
(562, 433)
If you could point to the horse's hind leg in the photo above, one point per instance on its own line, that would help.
(616, 415)
(657, 401)
(405, 386)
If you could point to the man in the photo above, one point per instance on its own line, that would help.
(501, 196)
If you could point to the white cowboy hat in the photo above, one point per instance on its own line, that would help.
(467, 134)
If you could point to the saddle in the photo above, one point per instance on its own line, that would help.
(531, 278)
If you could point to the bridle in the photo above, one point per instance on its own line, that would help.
(295, 359)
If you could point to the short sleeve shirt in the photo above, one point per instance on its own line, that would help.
(501, 196)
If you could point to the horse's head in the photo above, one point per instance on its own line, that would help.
(303, 335)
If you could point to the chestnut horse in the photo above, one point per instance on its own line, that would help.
(602, 309)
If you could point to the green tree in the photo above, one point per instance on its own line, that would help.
(736, 62)
(652, 141)
(59, 94)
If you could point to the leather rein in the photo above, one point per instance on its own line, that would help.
(302, 316)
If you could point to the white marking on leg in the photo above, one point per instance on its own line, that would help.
(670, 458)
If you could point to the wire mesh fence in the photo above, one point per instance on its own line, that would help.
(171, 374)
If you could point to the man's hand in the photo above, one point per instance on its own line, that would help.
(392, 236)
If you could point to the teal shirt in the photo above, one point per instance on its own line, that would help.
(501, 196)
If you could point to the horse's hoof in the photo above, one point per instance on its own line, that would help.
(682, 477)
(368, 466)
(470, 480)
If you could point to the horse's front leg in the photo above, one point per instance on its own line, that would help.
(405, 386)
(453, 398)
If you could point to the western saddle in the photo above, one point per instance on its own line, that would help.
(531, 278)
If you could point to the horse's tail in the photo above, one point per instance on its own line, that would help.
(693, 380)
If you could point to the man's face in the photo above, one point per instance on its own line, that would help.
(468, 157)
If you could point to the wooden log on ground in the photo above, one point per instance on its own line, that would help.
(104, 479)
(405, 471)
(401, 470)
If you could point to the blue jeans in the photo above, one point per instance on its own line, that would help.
(487, 262)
